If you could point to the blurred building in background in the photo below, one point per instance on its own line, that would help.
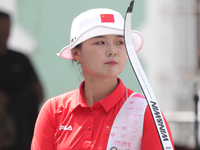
(171, 55)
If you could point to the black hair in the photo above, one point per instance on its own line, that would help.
(4, 15)
(79, 46)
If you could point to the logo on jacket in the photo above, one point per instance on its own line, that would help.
(66, 128)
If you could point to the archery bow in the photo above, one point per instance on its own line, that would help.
(144, 83)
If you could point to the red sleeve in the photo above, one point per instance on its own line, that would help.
(43, 138)
(150, 139)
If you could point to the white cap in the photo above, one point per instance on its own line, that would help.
(97, 22)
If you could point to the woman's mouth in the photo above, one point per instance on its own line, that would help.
(111, 62)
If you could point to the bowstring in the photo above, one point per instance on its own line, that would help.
(127, 111)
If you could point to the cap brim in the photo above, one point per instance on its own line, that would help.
(66, 51)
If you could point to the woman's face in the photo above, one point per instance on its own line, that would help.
(103, 56)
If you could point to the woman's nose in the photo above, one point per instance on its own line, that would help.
(111, 51)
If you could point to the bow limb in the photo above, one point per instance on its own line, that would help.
(144, 83)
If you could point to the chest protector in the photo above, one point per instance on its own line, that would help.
(127, 129)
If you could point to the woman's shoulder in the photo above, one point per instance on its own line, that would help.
(55, 103)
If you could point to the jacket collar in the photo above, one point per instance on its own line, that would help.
(107, 103)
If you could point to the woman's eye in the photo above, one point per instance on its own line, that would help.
(100, 42)
(120, 42)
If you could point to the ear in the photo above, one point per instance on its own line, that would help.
(76, 54)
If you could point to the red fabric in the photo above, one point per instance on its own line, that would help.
(150, 139)
(106, 18)
(66, 122)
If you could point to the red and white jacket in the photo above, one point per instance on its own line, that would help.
(66, 122)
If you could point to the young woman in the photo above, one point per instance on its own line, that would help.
(92, 117)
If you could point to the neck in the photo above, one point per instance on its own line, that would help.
(96, 90)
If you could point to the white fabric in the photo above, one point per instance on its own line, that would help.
(127, 129)
(89, 24)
